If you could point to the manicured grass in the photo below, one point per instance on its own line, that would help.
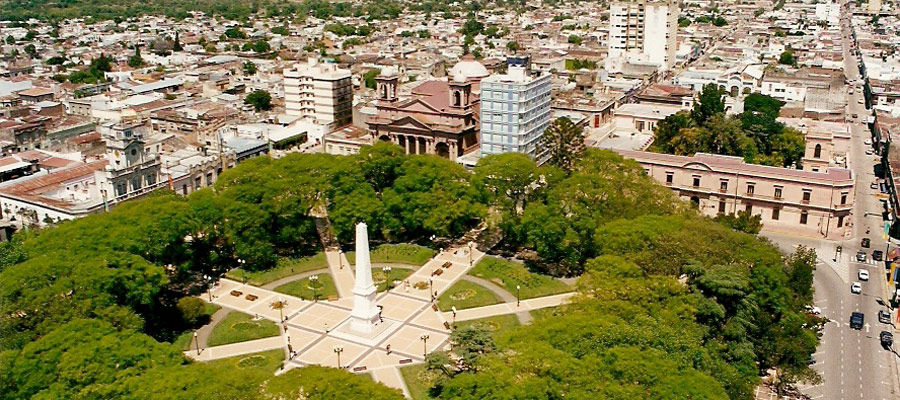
(494, 324)
(403, 253)
(303, 290)
(183, 341)
(240, 327)
(283, 268)
(544, 313)
(465, 294)
(508, 274)
(264, 361)
(397, 274)
(417, 381)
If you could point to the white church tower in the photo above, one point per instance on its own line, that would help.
(365, 315)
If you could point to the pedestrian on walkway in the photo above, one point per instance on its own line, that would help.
(326, 328)
(389, 348)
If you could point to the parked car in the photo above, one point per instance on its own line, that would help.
(865, 243)
(856, 288)
(877, 255)
(863, 274)
(813, 310)
(856, 320)
(869, 152)
(884, 316)
(861, 256)
(868, 142)
(887, 339)
(874, 185)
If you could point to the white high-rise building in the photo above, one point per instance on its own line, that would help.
(320, 92)
(515, 111)
(642, 34)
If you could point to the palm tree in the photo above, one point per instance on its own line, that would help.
(563, 143)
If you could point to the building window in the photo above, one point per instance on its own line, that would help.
(777, 192)
(721, 206)
(749, 208)
(723, 185)
(670, 176)
(696, 181)
(841, 221)
(806, 196)
(776, 212)
(803, 217)
(843, 198)
(817, 153)
(750, 189)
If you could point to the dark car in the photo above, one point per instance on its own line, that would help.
(884, 317)
(856, 320)
(861, 256)
(877, 255)
(866, 243)
(887, 339)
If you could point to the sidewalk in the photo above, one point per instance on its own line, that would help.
(509, 308)
(236, 349)
(341, 272)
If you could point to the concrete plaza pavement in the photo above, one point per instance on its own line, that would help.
(314, 332)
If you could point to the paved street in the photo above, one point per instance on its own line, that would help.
(852, 362)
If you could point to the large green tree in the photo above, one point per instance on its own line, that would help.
(563, 143)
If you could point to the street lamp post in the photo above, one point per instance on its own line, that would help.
(424, 344)
(431, 288)
(197, 342)
(470, 254)
(208, 286)
(314, 282)
(341, 259)
(338, 351)
(241, 263)
(518, 297)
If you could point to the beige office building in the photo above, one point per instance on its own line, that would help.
(814, 204)
(320, 92)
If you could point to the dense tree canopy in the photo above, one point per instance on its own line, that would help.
(88, 306)
(754, 134)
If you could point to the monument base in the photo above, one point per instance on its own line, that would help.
(379, 333)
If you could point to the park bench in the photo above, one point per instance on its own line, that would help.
(251, 297)
(446, 325)
(357, 369)
(236, 293)
(406, 361)
(437, 272)
(447, 264)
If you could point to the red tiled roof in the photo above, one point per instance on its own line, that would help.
(37, 185)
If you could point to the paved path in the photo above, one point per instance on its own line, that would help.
(276, 283)
(236, 349)
(507, 297)
(509, 308)
(205, 330)
(341, 272)
(391, 378)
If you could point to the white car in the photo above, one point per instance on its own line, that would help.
(860, 101)
(856, 288)
(868, 142)
(863, 275)
(869, 152)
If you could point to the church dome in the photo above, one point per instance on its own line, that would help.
(468, 68)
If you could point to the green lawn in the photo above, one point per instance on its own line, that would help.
(303, 290)
(265, 361)
(397, 274)
(283, 268)
(240, 327)
(417, 381)
(544, 313)
(183, 341)
(403, 253)
(494, 324)
(465, 294)
(508, 274)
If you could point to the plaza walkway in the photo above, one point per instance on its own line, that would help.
(236, 349)
(341, 272)
(523, 316)
(509, 308)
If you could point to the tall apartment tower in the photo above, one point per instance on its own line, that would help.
(320, 92)
(642, 33)
(515, 110)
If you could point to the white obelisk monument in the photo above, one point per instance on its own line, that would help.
(365, 314)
